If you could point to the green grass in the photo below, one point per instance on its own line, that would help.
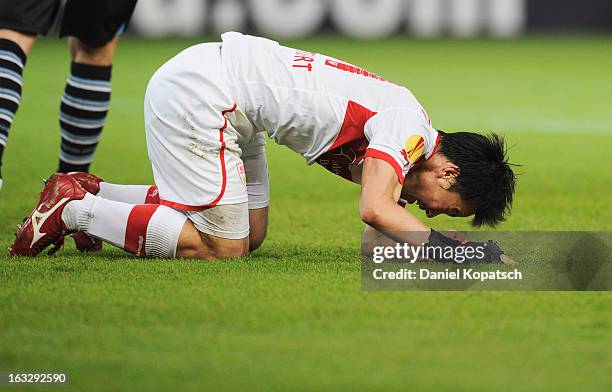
(293, 316)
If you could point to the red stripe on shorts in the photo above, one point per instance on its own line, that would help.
(136, 230)
(186, 207)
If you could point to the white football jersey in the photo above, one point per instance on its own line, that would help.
(329, 111)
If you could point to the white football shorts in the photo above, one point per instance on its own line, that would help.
(194, 150)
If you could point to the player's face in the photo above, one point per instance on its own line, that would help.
(440, 201)
(430, 190)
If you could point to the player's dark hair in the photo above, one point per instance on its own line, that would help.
(486, 178)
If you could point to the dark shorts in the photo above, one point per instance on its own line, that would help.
(95, 22)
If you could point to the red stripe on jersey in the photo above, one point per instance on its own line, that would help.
(136, 229)
(186, 207)
(377, 154)
(346, 67)
(350, 144)
(355, 118)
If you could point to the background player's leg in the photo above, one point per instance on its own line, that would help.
(25, 41)
(85, 103)
(14, 48)
(93, 27)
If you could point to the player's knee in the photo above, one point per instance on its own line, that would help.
(231, 253)
(237, 248)
(219, 232)
(203, 252)
(193, 244)
(221, 248)
(92, 55)
(208, 254)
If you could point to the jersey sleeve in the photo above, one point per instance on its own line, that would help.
(402, 137)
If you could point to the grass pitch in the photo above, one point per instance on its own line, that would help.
(292, 316)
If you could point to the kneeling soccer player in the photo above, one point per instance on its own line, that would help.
(206, 111)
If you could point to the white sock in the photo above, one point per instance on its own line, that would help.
(77, 213)
(143, 229)
(132, 194)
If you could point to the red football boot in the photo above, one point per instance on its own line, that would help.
(91, 183)
(86, 243)
(44, 226)
(88, 181)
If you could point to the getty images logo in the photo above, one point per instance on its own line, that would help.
(356, 18)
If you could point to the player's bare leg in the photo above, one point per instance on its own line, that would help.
(148, 194)
(190, 243)
(14, 50)
(147, 230)
(193, 244)
(150, 230)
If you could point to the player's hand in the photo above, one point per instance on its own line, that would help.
(491, 252)
(495, 254)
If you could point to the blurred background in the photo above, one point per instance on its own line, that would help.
(369, 18)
